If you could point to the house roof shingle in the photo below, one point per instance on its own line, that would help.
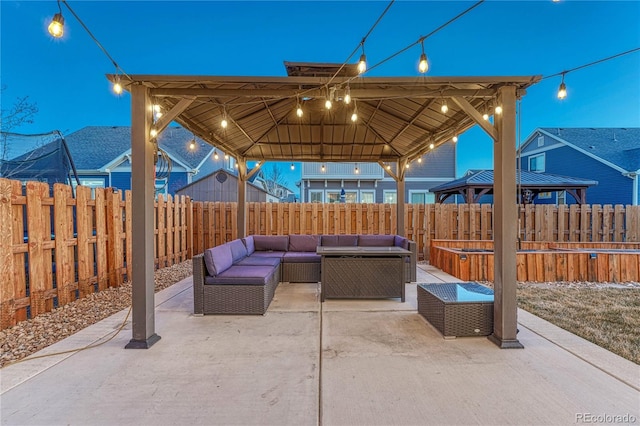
(93, 147)
(619, 146)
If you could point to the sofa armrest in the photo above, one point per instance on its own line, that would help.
(199, 272)
(413, 247)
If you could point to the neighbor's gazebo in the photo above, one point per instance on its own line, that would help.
(399, 119)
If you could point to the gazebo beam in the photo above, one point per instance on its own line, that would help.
(475, 114)
(173, 113)
(505, 224)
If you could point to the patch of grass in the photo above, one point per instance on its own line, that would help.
(608, 317)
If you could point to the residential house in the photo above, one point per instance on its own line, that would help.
(102, 156)
(610, 156)
(369, 182)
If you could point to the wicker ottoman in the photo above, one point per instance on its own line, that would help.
(457, 309)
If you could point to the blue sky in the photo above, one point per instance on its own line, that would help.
(65, 77)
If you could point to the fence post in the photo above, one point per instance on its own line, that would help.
(101, 239)
(7, 286)
(36, 192)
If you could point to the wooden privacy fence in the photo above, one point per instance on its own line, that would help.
(216, 222)
(55, 249)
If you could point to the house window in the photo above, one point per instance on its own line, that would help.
(231, 163)
(540, 141)
(536, 163)
(316, 196)
(562, 197)
(544, 195)
(351, 197)
(367, 197)
(333, 196)
(390, 197)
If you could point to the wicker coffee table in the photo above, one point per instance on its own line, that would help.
(457, 309)
(362, 272)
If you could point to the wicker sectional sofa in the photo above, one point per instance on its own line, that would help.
(241, 276)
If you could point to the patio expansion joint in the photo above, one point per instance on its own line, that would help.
(579, 356)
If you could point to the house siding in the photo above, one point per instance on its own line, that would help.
(612, 188)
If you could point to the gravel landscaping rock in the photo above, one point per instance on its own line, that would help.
(32, 335)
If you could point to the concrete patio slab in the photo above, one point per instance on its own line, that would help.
(380, 363)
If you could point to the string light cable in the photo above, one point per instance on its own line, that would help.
(75, 350)
(562, 90)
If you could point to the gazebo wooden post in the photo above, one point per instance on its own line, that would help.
(142, 227)
(242, 197)
(400, 198)
(505, 223)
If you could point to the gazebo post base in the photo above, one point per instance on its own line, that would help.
(142, 344)
(505, 343)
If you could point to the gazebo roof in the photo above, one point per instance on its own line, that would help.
(398, 117)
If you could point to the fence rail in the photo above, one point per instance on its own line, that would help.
(55, 248)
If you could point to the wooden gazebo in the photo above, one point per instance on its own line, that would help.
(399, 119)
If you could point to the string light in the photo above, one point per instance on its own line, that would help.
(215, 155)
(226, 156)
(354, 116)
(498, 110)
(423, 64)
(406, 166)
(357, 170)
(388, 166)
(192, 144)
(293, 167)
(562, 90)
(157, 111)
(224, 123)
(419, 159)
(327, 104)
(431, 146)
(347, 96)
(117, 86)
(455, 138)
(485, 116)
(299, 111)
(444, 108)
(153, 133)
(322, 168)
(362, 63)
(56, 27)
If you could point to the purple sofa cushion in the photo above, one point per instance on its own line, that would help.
(305, 243)
(340, 240)
(218, 259)
(249, 244)
(401, 242)
(243, 275)
(271, 242)
(376, 240)
(301, 257)
(238, 250)
(259, 261)
(276, 254)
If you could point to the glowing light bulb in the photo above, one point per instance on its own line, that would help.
(293, 167)
(444, 108)
(354, 116)
(562, 91)
(431, 146)
(347, 96)
(299, 111)
(117, 88)
(406, 166)
(224, 123)
(454, 139)
(158, 114)
(419, 159)
(192, 145)
(498, 110)
(153, 133)
(322, 168)
(226, 156)
(485, 116)
(423, 65)
(362, 64)
(388, 166)
(235, 165)
(156, 108)
(215, 155)
(328, 104)
(357, 170)
(56, 27)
